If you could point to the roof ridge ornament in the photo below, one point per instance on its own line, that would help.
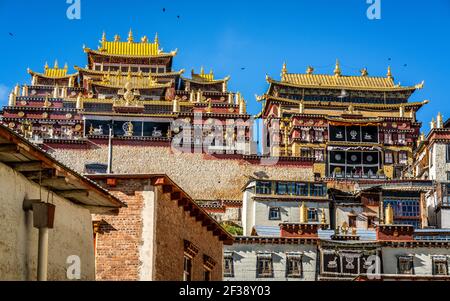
(364, 72)
(337, 68)
(130, 36)
(284, 70)
(389, 73)
(309, 70)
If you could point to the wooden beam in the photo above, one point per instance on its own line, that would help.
(36, 175)
(75, 193)
(158, 181)
(55, 181)
(211, 227)
(206, 222)
(217, 232)
(182, 202)
(9, 148)
(27, 166)
(175, 196)
(167, 189)
(194, 212)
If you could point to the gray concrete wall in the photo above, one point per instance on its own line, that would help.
(245, 260)
(72, 233)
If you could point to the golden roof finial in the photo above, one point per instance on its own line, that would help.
(66, 66)
(309, 70)
(364, 72)
(389, 73)
(432, 124)
(202, 71)
(104, 37)
(156, 39)
(130, 36)
(46, 65)
(284, 70)
(144, 39)
(337, 68)
(116, 38)
(56, 64)
(129, 72)
(439, 121)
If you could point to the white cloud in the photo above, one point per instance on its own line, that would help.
(4, 93)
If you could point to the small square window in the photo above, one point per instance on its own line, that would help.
(274, 214)
(228, 266)
(406, 265)
(294, 266)
(264, 266)
(440, 266)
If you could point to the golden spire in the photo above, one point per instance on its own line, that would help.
(116, 38)
(66, 66)
(389, 215)
(432, 124)
(309, 70)
(104, 37)
(303, 213)
(364, 72)
(56, 64)
(46, 66)
(202, 71)
(130, 36)
(389, 73)
(422, 136)
(337, 68)
(144, 39)
(284, 70)
(156, 39)
(439, 121)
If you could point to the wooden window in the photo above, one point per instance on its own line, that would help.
(274, 214)
(402, 138)
(264, 266)
(403, 157)
(447, 153)
(312, 215)
(187, 274)
(388, 158)
(406, 265)
(228, 265)
(263, 187)
(387, 138)
(294, 265)
(440, 266)
(352, 221)
(207, 275)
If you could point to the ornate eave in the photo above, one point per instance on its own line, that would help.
(138, 87)
(42, 75)
(393, 88)
(97, 72)
(207, 82)
(104, 53)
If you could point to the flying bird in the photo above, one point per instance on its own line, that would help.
(243, 68)
(164, 9)
(11, 34)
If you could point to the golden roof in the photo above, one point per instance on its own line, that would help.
(54, 72)
(339, 81)
(130, 48)
(203, 77)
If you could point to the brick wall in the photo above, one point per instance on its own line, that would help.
(120, 239)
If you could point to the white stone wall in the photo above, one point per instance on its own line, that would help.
(440, 167)
(245, 261)
(72, 233)
(422, 258)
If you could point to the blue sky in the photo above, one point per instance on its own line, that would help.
(256, 35)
